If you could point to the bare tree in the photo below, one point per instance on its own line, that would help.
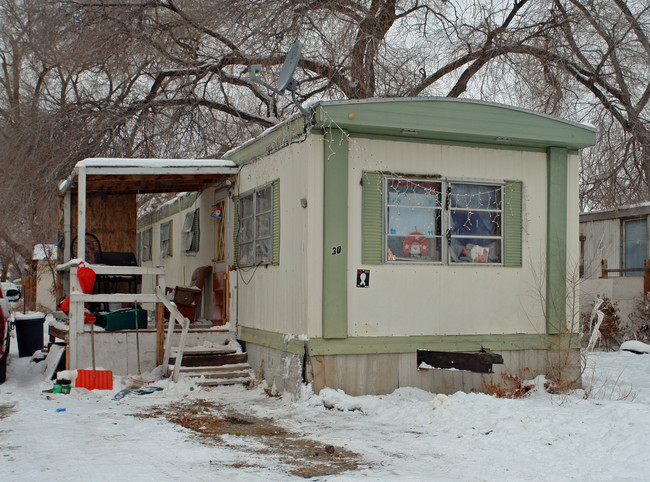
(591, 63)
(169, 78)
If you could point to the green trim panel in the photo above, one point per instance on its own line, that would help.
(276, 138)
(335, 234)
(372, 225)
(512, 229)
(276, 222)
(235, 231)
(556, 241)
(454, 120)
(272, 339)
(446, 142)
(408, 344)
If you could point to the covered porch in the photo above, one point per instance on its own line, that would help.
(99, 206)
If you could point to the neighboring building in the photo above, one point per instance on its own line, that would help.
(38, 285)
(614, 239)
(391, 232)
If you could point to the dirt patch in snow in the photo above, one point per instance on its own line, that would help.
(215, 424)
(6, 409)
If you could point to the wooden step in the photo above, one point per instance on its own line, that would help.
(220, 368)
(224, 381)
(229, 371)
(201, 350)
(214, 359)
(213, 366)
(219, 375)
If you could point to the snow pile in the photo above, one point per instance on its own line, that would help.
(635, 346)
(598, 433)
(30, 315)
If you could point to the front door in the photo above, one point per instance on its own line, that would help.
(219, 262)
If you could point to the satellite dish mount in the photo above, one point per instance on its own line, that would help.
(286, 80)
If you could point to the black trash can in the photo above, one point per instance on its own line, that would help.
(29, 332)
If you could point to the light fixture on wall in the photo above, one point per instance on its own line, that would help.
(503, 139)
(412, 132)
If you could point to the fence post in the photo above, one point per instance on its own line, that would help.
(603, 268)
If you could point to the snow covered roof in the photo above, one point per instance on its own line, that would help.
(43, 251)
(631, 210)
(110, 162)
(127, 176)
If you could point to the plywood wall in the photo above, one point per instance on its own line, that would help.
(110, 217)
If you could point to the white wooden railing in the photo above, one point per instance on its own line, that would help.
(78, 298)
(175, 316)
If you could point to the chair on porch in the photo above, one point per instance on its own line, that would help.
(187, 298)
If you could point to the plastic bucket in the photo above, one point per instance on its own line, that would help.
(29, 332)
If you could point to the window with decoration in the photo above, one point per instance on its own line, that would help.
(443, 221)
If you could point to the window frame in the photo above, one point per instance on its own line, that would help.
(624, 245)
(254, 217)
(446, 223)
(412, 180)
(500, 211)
(168, 251)
(147, 237)
(191, 232)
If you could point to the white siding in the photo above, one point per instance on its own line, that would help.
(180, 266)
(287, 298)
(449, 300)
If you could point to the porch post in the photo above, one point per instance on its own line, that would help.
(76, 320)
(67, 218)
(81, 213)
(77, 308)
(160, 323)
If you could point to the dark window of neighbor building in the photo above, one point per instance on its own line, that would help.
(635, 244)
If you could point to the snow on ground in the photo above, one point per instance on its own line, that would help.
(407, 435)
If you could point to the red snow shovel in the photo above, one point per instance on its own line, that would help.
(94, 379)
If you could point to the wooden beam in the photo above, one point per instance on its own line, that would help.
(78, 296)
(160, 333)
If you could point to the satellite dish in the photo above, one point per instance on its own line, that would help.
(289, 66)
(286, 80)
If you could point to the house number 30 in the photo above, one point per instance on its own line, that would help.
(336, 250)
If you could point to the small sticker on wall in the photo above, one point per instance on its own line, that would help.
(363, 278)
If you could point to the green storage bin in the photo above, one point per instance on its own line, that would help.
(122, 319)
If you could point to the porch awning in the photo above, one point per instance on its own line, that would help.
(128, 176)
